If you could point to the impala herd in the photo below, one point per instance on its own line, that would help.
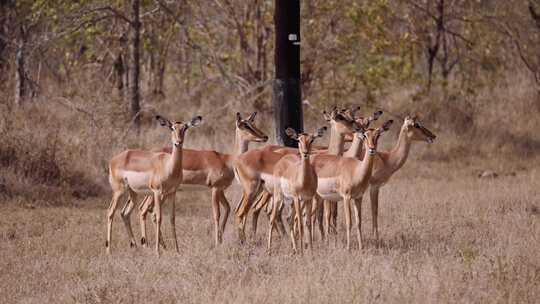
(310, 179)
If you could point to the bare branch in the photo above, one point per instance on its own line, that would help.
(112, 10)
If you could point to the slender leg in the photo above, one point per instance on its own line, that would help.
(333, 220)
(273, 216)
(254, 221)
(317, 216)
(245, 205)
(308, 207)
(126, 217)
(334, 213)
(281, 226)
(149, 208)
(320, 214)
(374, 198)
(225, 203)
(326, 209)
(173, 220)
(263, 200)
(110, 217)
(145, 205)
(292, 232)
(347, 210)
(158, 200)
(239, 218)
(216, 215)
(358, 216)
(313, 217)
(298, 218)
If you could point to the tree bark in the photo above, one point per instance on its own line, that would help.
(286, 91)
(20, 71)
(136, 64)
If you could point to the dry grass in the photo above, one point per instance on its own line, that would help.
(445, 238)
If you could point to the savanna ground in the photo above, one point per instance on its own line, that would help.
(447, 236)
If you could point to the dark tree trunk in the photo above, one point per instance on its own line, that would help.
(136, 64)
(119, 70)
(3, 35)
(434, 44)
(287, 93)
(20, 71)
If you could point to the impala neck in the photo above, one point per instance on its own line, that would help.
(176, 160)
(304, 170)
(355, 149)
(336, 142)
(398, 155)
(363, 172)
(240, 144)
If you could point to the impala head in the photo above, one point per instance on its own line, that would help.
(362, 125)
(416, 131)
(247, 130)
(341, 120)
(178, 128)
(371, 136)
(366, 121)
(305, 140)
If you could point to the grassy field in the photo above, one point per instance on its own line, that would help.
(447, 236)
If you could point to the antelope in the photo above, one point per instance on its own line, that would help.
(214, 170)
(389, 162)
(296, 180)
(356, 145)
(255, 168)
(145, 172)
(363, 123)
(346, 178)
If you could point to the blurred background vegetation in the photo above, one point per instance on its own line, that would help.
(469, 68)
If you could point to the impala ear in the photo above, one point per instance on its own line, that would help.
(195, 121)
(238, 118)
(375, 116)
(291, 133)
(251, 117)
(386, 126)
(320, 132)
(326, 116)
(164, 122)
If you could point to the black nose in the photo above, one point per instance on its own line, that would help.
(265, 138)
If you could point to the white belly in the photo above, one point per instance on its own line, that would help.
(327, 189)
(285, 188)
(137, 181)
(269, 182)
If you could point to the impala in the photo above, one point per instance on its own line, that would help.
(214, 170)
(145, 172)
(255, 168)
(346, 178)
(336, 146)
(389, 162)
(296, 180)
